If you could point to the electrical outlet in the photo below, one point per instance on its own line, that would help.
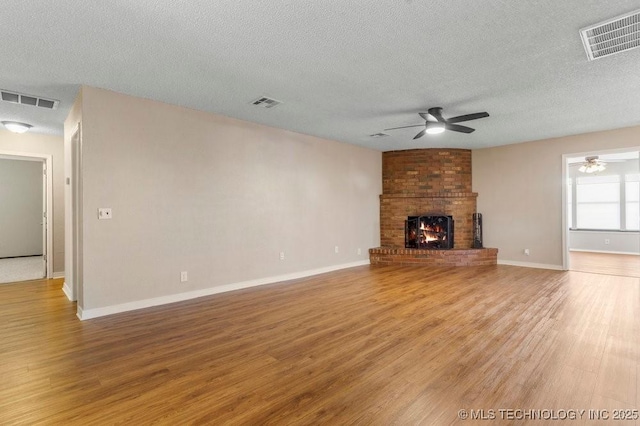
(526, 252)
(607, 241)
(184, 277)
(337, 249)
(281, 255)
(104, 213)
(359, 251)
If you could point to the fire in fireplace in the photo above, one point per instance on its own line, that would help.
(433, 231)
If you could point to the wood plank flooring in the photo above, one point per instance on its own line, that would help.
(368, 345)
(627, 265)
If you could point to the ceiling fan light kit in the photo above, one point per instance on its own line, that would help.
(435, 123)
(433, 128)
(593, 164)
(592, 168)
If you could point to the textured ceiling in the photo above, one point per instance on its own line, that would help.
(343, 70)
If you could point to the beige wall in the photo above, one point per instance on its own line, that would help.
(520, 192)
(33, 143)
(214, 196)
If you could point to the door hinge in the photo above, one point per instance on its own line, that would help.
(44, 214)
(45, 257)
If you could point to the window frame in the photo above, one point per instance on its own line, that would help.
(572, 186)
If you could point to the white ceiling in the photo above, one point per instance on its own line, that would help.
(343, 70)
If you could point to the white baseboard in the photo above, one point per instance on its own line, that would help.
(605, 251)
(179, 297)
(531, 265)
(67, 292)
(57, 275)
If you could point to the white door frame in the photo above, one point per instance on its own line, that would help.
(73, 229)
(48, 162)
(566, 264)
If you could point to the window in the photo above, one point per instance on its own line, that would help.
(610, 202)
(632, 201)
(598, 202)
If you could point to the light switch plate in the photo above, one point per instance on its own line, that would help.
(104, 213)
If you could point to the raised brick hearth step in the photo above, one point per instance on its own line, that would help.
(454, 257)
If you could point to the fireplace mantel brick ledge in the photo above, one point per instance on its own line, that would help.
(428, 181)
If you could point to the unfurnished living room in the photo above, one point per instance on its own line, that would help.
(408, 212)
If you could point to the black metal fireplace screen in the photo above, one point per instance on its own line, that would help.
(429, 231)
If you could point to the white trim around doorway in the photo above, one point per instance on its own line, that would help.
(48, 161)
(566, 264)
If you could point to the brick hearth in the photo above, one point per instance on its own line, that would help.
(425, 181)
(455, 257)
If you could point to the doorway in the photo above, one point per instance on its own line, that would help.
(601, 212)
(25, 203)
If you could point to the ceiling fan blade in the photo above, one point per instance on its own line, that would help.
(458, 128)
(405, 127)
(421, 134)
(424, 115)
(468, 117)
(436, 113)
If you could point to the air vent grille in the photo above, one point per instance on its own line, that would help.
(378, 135)
(612, 36)
(265, 102)
(20, 98)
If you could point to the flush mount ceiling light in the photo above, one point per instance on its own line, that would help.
(16, 127)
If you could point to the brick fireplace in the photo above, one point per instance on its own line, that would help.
(421, 182)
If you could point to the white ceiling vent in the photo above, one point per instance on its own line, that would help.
(612, 36)
(265, 102)
(20, 98)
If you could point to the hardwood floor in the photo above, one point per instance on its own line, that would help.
(627, 265)
(368, 345)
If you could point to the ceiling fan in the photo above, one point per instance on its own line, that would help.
(435, 123)
(593, 164)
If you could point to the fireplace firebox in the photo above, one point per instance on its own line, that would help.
(432, 231)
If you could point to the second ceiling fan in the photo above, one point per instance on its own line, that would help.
(441, 124)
